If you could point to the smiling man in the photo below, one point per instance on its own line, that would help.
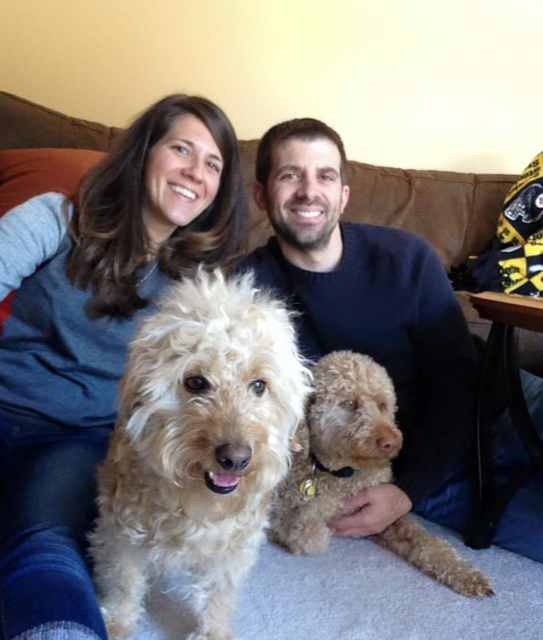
(304, 194)
(383, 292)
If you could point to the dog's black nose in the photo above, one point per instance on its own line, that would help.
(233, 457)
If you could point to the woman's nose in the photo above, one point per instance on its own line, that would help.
(194, 168)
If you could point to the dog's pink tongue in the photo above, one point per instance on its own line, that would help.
(225, 479)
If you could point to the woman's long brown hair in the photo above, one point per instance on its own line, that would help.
(110, 239)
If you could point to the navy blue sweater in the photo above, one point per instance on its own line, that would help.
(390, 298)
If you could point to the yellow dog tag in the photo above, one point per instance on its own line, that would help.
(308, 488)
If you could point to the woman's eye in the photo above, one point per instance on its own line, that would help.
(258, 387)
(181, 148)
(349, 405)
(196, 384)
(214, 167)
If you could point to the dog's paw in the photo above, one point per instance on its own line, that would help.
(472, 583)
(119, 630)
(309, 541)
(116, 628)
(307, 546)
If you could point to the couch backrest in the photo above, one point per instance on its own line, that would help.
(456, 212)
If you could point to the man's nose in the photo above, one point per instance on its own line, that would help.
(307, 188)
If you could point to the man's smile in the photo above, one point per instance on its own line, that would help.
(307, 213)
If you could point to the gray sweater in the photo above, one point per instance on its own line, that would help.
(57, 365)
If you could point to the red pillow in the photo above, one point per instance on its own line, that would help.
(25, 173)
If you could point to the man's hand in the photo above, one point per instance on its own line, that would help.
(378, 507)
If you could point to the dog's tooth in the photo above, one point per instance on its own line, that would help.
(211, 474)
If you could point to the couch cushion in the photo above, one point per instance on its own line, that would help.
(457, 213)
(25, 173)
(24, 124)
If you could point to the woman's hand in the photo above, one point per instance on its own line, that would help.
(378, 507)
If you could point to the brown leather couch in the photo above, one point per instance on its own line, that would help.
(456, 212)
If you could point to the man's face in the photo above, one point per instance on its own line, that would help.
(304, 196)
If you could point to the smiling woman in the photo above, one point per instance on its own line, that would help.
(182, 177)
(171, 189)
(167, 199)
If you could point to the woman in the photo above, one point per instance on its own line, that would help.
(168, 198)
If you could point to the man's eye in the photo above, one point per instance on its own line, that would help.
(196, 384)
(258, 387)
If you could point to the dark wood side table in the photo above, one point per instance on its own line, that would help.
(501, 370)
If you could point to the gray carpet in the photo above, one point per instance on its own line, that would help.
(357, 591)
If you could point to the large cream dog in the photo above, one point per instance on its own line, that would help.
(346, 444)
(213, 391)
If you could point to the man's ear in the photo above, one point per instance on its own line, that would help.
(259, 195)
(345, 192)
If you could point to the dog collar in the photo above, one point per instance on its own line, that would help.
(344, 472)
(308, 487)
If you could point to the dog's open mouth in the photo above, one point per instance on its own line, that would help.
(221, 482)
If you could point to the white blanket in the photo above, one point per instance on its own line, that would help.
(357, 591)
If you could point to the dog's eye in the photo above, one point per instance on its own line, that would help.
(258, 387)
(382, 407)
(196, 384)
(349, 405)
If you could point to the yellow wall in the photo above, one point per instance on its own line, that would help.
(442, 84)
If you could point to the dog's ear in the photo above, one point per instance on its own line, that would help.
(128, 396)
(295, 445)
(299, 442)
(131, 416)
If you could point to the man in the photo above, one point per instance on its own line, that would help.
(379, 291)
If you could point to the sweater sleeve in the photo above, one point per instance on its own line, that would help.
(439, 438)
(30, 234)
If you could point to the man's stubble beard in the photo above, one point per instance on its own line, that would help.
(287, 232)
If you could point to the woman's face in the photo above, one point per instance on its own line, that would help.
(182, 177)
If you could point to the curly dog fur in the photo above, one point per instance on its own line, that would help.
(212, 394)
(350, 426)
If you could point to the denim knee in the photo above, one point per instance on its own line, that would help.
(45, 581)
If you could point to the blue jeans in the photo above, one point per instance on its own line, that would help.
(47, 507)
(521, 527)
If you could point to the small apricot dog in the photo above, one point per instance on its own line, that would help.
(346, 444)
(212, 394)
